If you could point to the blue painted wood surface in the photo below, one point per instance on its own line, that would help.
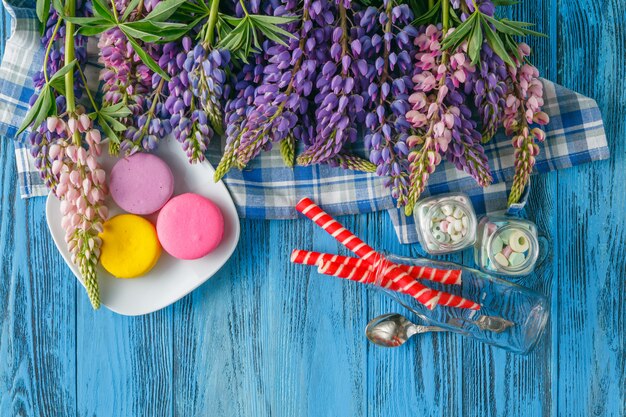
(266, 338)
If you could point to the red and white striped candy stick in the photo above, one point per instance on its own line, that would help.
(410, 286)
(311, 210)
(366, 276)
(445, 276)
(358, 274)
(305, 257)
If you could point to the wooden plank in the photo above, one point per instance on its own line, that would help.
(37, 335)
(591, 211)
(123, 364)
(265, 337)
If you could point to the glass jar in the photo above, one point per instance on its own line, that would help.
(506, 246)
(510, 316)
(446, 223)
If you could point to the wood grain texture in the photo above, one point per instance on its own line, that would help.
(264, 337)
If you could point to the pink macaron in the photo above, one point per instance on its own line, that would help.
(141, 184)
(190, 226)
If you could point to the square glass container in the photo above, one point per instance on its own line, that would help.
(506, 246)
(446, 223)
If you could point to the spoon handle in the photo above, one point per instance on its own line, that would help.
(416, 329)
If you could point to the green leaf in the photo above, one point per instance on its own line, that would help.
(94, 30)
(275, 20)
(129, 9)
(58, 6)
(135, 30)
(164, 10)
(89, 21)
(108, 131)
(503, 27)
(460, 34)
(496, 44)
(505, 2)
(146, 59)
(43, 11)
(429, 15)
(100, 8)
(114, 123)
(39, 111)
(118, 110)
(57, 81)
(475, 42)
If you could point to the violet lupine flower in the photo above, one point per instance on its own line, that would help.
(386, 38)
(339, 104)
(189, 121)
(435, 112)
(208, 81)
(128, 80)
(465, 150)
(81, 187)
(235, 112)
(523, 108)
(56, 58)
(280, 98)
(488, 84)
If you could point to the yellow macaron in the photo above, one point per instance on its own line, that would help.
(130, 246)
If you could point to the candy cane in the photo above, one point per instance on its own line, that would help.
(366, 276)
(410, 286)
(305, 257)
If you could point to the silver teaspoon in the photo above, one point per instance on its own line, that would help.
(393, 330)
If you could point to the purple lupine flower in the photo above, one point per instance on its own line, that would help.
(205, 69)
(280, 98)
(385, 46)
(128, 80)
(56, 57)
(339, 104)
(488, 85)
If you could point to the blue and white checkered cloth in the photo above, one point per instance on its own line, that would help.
(269, 190)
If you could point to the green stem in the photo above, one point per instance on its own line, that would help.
(48, 48)
(445, 12)
(213, 15)
(91, 99)
(114, 9)
(344, 29)
(70, 7)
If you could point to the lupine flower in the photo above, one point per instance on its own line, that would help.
(339, 106)
(81, 187)
(523, 108)
(386, 39)
(280, 98)
(488, 84)
(443, 122)
(127, 79)
(207, 77)
(189, 120)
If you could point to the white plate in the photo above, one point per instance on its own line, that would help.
(171, 278)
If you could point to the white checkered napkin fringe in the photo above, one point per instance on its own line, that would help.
(269, 190)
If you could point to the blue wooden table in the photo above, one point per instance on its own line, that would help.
(266, 338)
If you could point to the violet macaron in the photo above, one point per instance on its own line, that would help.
(190, 226)
(141, 184)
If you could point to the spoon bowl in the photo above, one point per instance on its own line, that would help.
(393, 330)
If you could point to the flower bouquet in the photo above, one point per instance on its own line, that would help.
(417, 81)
